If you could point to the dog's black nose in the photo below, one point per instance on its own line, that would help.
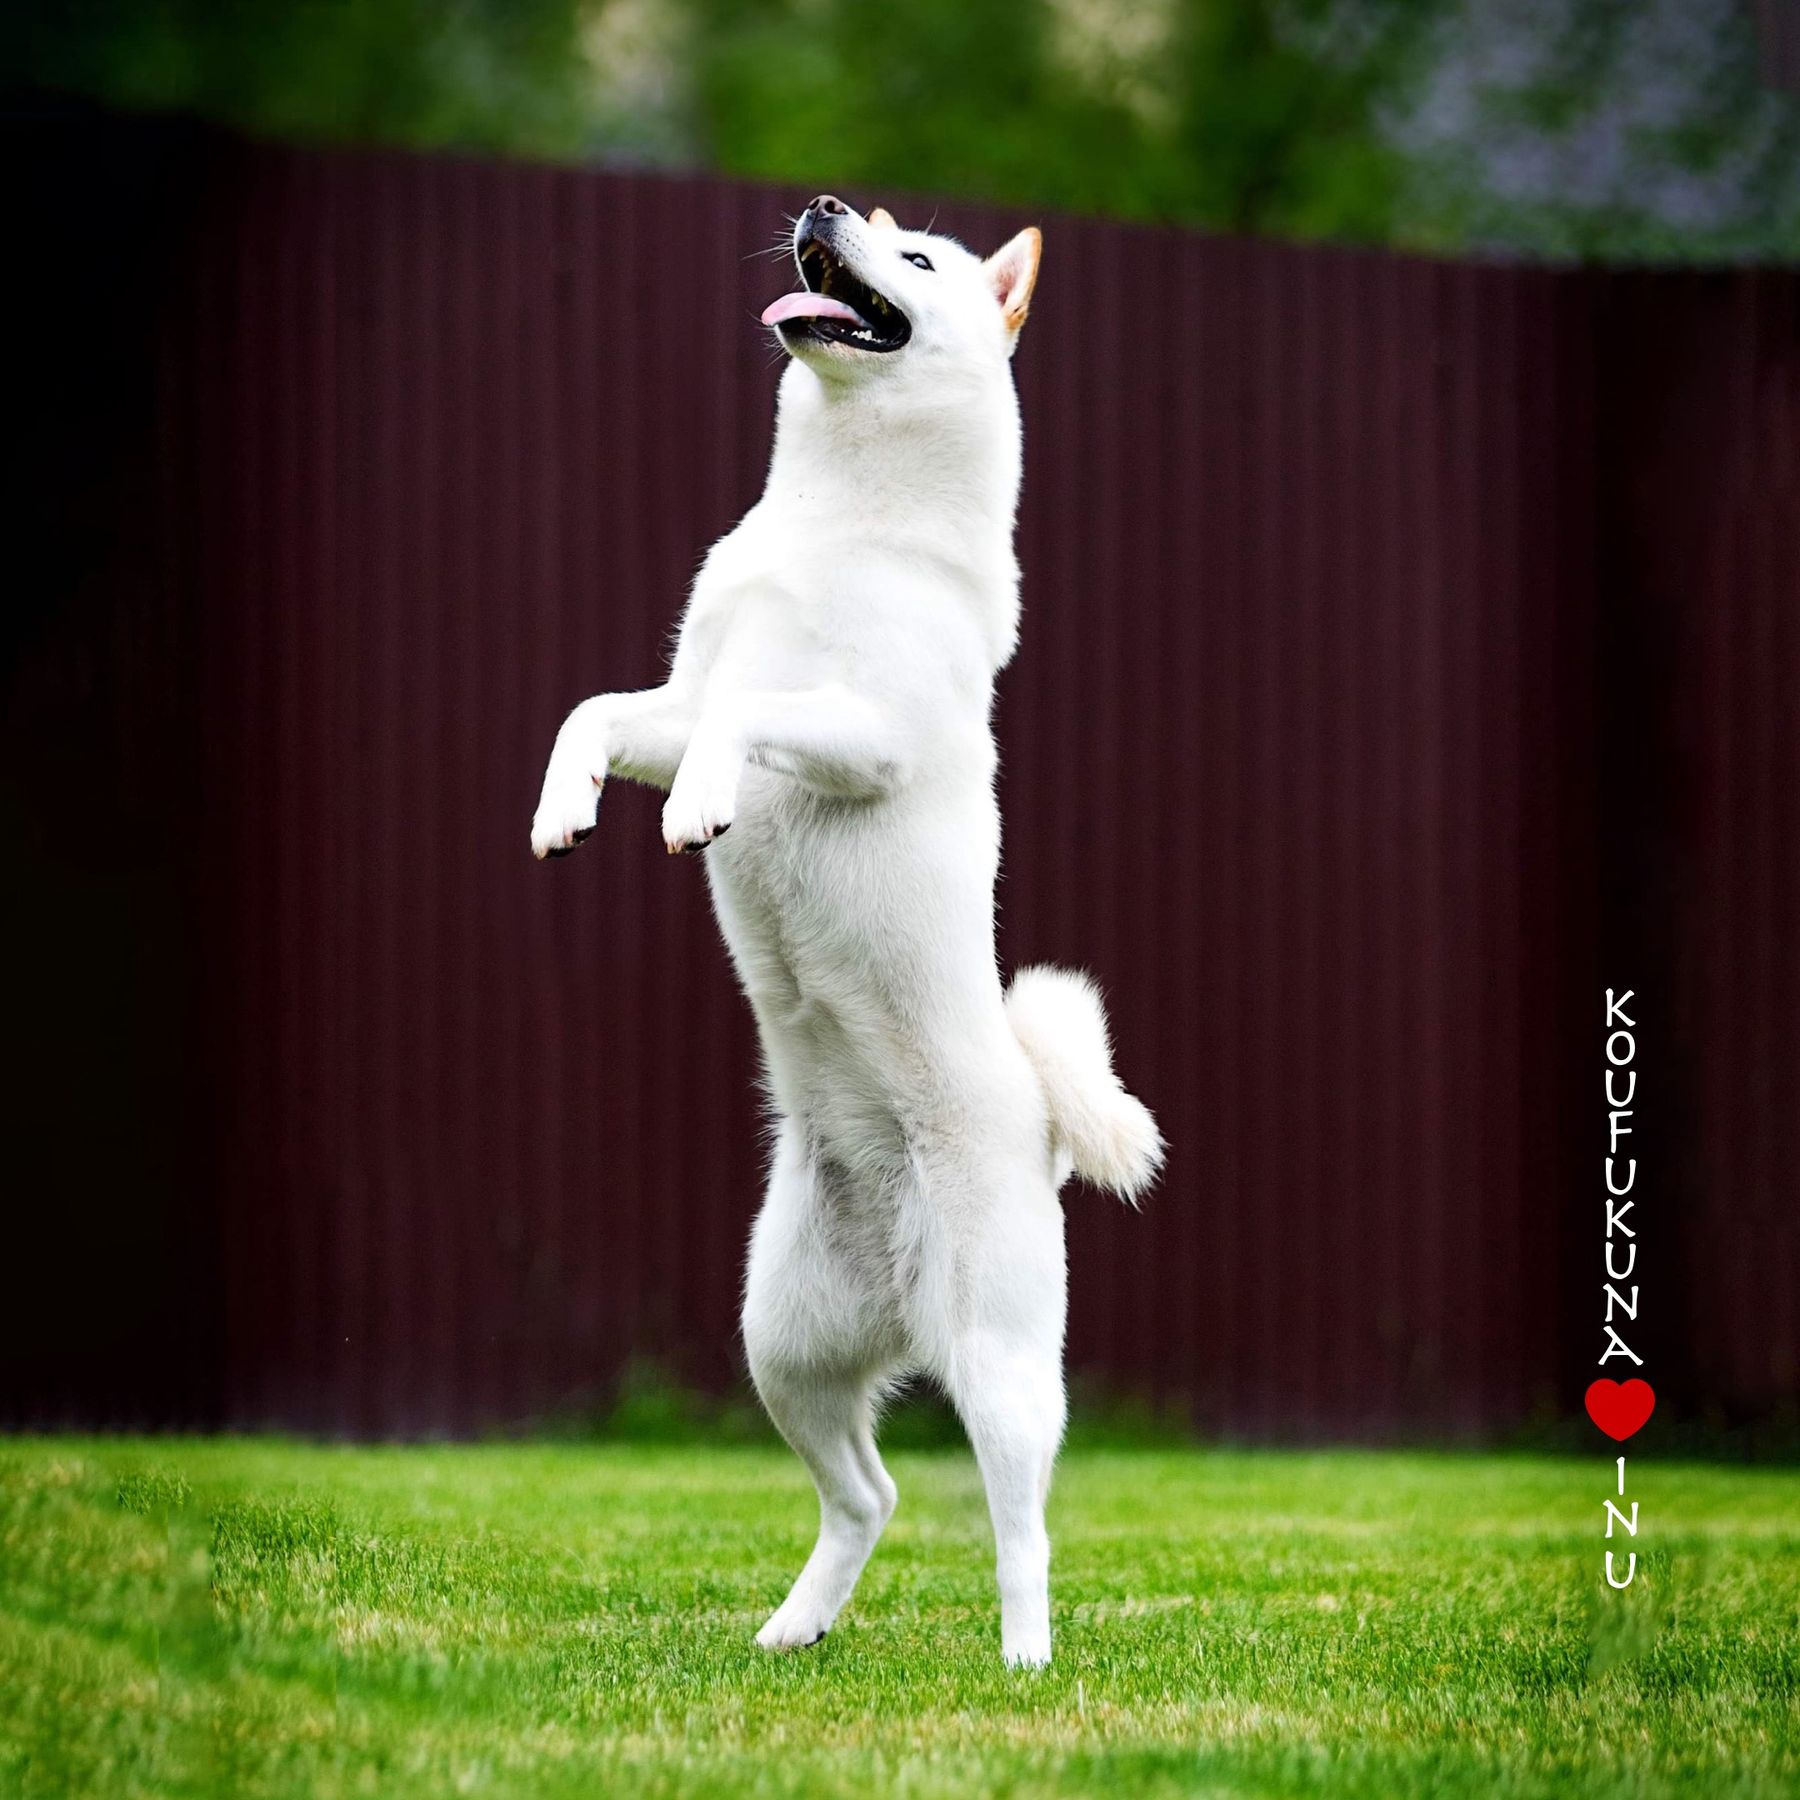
(828, 203)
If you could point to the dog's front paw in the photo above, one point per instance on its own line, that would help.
(700, 808)
(566, 813)
(570, 800)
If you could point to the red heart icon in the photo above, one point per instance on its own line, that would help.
(1620, 1408)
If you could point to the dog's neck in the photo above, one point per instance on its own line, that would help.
(842, 443)
(933, 477)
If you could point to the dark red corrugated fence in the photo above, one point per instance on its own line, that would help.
(1410, 650)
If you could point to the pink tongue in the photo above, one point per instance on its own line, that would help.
(809, 306)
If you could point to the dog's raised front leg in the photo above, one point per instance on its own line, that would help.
(642, 736)
(826, 738)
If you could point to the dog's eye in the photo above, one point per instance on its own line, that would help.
(917, 261)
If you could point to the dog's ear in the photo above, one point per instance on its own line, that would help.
(1012, 273)
(884, 219)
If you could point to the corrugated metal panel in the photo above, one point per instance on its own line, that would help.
(1299, 758)
(1701, 806)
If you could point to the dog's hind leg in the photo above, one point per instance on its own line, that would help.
(1005, 1377)
(831, 1425)
(817, 1343)
(1010, 1398)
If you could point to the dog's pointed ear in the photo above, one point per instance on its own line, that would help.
(884, 219)
(1012, 273)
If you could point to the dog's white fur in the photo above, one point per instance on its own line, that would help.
(829, 703)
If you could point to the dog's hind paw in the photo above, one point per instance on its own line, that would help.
(794, 1631)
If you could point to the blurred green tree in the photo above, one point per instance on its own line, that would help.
(489, 74)
(1566, 128)
(1240, 114)
(1624, 129)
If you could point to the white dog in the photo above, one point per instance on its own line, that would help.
(828, 706)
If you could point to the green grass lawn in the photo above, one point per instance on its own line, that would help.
(255, 1617)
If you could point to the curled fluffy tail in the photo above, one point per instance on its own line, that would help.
(1107, 1135)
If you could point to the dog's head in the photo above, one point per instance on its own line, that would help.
(879, 299)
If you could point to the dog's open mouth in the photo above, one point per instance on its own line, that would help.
(836, 308)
